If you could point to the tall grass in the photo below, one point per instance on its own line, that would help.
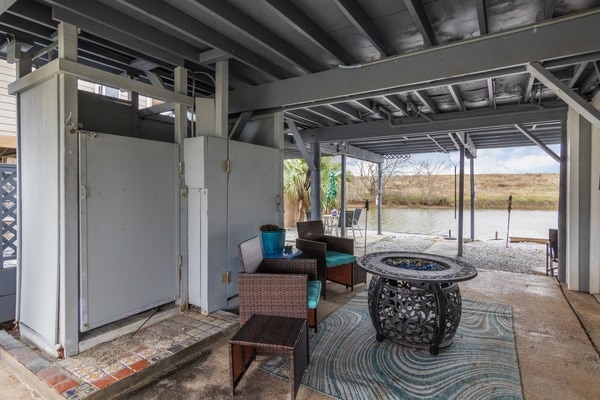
(529, 191)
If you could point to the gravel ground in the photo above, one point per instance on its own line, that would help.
(525, 258)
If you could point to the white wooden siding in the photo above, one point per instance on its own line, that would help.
(8, 108)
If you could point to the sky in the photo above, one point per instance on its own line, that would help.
(516, 160)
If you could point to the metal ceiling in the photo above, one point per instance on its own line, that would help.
(386, 77)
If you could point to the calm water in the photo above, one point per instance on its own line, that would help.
(440, 221)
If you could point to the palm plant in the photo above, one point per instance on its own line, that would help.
(296, 186)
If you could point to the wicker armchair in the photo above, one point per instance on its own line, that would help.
(278, 286)
(315, 244)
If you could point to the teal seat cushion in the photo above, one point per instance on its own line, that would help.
(334, 258)
(314, 293)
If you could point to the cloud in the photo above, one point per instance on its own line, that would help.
(520, 160)
(516, 160)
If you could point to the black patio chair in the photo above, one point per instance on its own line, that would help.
(551, 251)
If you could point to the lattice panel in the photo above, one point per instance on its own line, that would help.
(9, 212)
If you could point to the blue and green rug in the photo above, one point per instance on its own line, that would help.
(346, 362)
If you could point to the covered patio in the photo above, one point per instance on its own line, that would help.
(557, 333)
(132, 199)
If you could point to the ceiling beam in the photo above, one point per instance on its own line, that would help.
(537, 141)
(212, 56)
(445, 123)
(301, 146)
(300, 120)
(157, 109)
(287, 11)
(528, 95)
(33, 11)
(155, 79)
(327, 113)
(347, 110)
(240, 124)
(137, 56)
(544, 41)
(549, 8)
(355, 14)
(148, 42)
(419, 16)
(457, 97)
(364, 105)
(170, 19)
(482, 16)
(455, 80)
(426, 100)
(25, 26)
(565, 93)
(398, 104)
(577, 71)
(234, 19)
(467, 142)
(310, 117)
(95, 75)
(351, 151)
(5, 4)
(491, 91)
(591, 78)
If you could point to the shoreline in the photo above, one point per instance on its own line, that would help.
(435, 207)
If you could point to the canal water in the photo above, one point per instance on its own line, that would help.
(488, 223)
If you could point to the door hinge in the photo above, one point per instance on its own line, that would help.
(227, 166)
(226, 277)
(180, 264)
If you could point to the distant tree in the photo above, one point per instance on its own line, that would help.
(368, 177)
(427, 169)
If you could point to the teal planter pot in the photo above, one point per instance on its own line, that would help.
(273, 241)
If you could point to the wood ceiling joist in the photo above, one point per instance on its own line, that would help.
(287, 11)
(419, 16)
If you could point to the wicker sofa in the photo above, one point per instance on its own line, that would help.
(334, 255)
(278, 286)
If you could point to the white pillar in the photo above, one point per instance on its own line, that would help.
(583, 203)
(222, 98)
(595, 206)
(180, 133)
(278, 137)
(68, 321)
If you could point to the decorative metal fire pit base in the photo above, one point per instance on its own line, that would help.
(413, 298)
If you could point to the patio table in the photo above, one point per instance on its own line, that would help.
(270, 335)
(414, 299)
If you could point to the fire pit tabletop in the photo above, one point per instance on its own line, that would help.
(416, 267)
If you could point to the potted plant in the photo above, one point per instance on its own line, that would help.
(272, 238)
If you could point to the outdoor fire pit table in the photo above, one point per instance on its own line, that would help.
(414, 299)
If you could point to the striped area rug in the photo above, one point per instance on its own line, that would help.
(346, 362)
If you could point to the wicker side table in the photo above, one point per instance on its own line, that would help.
(270, 335)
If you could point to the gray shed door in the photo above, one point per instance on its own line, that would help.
(8, 283)
(129, 227)
(254, 197)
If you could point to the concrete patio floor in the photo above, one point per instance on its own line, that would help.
(557, 335)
